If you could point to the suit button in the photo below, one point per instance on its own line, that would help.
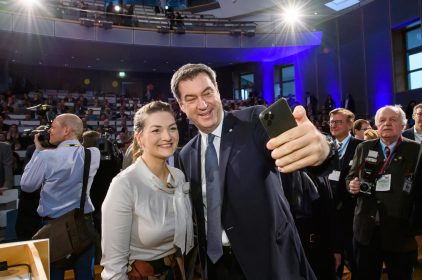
(378, 202)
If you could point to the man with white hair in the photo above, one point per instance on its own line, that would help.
(382, 178)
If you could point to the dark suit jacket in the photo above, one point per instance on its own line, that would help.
(409, 133)
(255, 213)
(395, 207)
(344, 202)
(6, 165)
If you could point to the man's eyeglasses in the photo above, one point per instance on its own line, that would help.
(364, 128)
(335, 122)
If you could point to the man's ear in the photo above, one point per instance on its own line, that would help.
(182, 106)
(67, 131)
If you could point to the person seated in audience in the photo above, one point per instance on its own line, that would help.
(359, 127)
(147, 216)
(13, 135)
(121, 114)
(3, 126)
(3, 136)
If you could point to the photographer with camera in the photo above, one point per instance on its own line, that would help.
(382, 177)
(59, 172)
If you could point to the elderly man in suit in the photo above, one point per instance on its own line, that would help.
(6, 167)
(341, 123)
(244, 226)
(415, 132)
(382, 176)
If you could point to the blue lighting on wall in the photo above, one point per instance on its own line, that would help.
(383, 94)
(267, 69)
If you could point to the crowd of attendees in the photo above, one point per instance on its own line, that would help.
(112, 116)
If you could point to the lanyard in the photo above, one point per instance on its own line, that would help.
(388, 160)
(71, 145)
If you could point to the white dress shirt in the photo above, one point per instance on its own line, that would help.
(60, 172)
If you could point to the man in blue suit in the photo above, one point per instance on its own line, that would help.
(258, 237)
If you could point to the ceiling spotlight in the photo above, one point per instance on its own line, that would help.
(117, 8)
(29, 3)
(292, 15)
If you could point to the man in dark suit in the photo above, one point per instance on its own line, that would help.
(341, 123)
(256, 237)
(6, 167)
(382, 176)
(415, 132)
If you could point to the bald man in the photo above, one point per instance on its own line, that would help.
(59, 172)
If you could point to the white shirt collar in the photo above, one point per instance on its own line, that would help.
(217, 131)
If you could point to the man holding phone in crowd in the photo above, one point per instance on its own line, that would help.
(244, 226)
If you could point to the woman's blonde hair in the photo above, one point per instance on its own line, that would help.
(139, 121)
(370, 134)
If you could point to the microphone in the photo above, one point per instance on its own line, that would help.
(34, 108)
(41, 107)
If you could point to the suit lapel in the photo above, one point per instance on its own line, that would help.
(195, 171)
(227, 138)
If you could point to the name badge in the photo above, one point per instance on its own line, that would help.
(383, 183)
(373, 154)
(407, 186)
(334, 176)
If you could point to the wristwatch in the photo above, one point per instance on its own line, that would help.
(333, 145)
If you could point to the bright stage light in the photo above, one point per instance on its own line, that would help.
(29, 3)
(292, 15)
(117, 8)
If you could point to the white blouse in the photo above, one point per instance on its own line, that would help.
(143, 220)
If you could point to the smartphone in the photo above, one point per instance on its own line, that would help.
(277, 118)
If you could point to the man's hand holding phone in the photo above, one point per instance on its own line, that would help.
(299, 147)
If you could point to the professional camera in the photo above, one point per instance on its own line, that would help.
(44, 136)
(108, 147)
(44, 111)
(369, 175)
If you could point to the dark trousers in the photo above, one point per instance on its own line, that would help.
(347, 259)
(369, 260)
(226, 268)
